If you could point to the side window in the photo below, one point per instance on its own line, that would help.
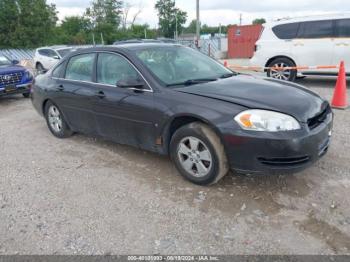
(343, 28)
(112, 68)
(316, 29)
(286, 31)
(51, 53)
(57, 72)
(80, 67)
(43, 52)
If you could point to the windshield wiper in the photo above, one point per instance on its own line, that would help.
(193, 82)
(228, 75)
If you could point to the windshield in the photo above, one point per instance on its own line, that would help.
(4, 61)
(64, 52)
(176, 65)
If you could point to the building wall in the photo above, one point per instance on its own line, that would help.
(242, 39)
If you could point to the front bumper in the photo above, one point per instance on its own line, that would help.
(17, 89)
(277, 153)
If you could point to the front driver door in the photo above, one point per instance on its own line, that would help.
(123, 115)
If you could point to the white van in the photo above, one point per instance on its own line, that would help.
(307, 41)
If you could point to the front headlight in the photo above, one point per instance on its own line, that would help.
(269, 121)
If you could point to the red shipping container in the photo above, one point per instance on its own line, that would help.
(242, 39)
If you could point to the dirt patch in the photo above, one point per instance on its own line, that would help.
(331, 235)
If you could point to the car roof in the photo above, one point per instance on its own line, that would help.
(140, 41)
(56, 47)
(126, 46)
(288, 20)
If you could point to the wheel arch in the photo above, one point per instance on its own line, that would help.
(44, 105)
(181, 120)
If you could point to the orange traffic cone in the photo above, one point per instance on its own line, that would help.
(340, 99)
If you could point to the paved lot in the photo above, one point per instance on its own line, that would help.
(87, 196)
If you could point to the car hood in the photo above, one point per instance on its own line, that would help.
(262, 93)
(11, 69)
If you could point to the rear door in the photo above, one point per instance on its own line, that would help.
(314, 44)
(342, 43)
(76, 93)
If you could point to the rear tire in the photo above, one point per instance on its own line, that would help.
(56, 122)
(198, 154)
(287, 75)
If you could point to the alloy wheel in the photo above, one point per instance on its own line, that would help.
(194, 156)
(55, 119)
(278, 72)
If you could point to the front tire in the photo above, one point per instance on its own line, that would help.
(56, 122)
(198, 154)
(287, 75)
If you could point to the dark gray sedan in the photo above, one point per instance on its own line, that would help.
(176, 101)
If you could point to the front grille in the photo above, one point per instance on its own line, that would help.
(11, 78)
(318, 119)
(284, 161)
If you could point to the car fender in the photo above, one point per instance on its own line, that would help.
(208, 116)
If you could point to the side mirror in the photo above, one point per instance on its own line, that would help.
(56, 57)
(131, 83)
(15, 62)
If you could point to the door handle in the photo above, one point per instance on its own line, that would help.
(100, 94)
(60, 88)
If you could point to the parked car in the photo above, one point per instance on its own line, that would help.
(307, 41)
(47, 57)
(14, 79)
(176, 101)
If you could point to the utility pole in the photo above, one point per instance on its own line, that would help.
(240, 19)
(198, 29)
(102, 41)
(176, 33)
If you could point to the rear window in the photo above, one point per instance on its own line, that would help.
(316, 29)
(343, 28)
(286, 31)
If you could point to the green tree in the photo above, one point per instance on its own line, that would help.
(259, 21)
(73, 30)
(73, 25)
(26, 24)
(105, 18)
(167, 13)
(192, 27)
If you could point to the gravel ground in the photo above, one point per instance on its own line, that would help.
(87, 196)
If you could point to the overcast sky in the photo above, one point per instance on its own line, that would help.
(214, 12)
